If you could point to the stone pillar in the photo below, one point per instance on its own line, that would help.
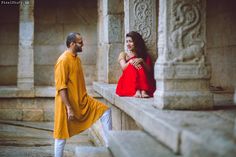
(110, 40)
(235, 130)
(181, 71)
(25, 75)
(140, 16)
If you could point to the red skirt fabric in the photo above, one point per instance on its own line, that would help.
(133, 79)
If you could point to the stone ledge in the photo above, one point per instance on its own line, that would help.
(136, 144)
(38, 91)
(209, 131)
(89, 151)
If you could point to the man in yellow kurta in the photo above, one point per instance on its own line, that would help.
(75, 110)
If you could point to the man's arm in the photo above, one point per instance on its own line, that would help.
(64, 97)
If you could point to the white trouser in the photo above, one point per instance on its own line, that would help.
(106, 124)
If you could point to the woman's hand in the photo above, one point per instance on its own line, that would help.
(136, 62)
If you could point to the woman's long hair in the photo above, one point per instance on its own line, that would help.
(139, 44)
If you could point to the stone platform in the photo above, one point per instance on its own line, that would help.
(34, 139)
(188, 133)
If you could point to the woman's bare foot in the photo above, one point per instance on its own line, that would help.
(144, 94)
(138, 94)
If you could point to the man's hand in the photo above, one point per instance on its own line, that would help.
(70, 113)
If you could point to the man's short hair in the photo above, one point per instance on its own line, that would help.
(71, 38)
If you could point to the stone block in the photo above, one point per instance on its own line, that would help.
(81, 13)
(89, 54)
(116, 118)
(188, 100)
(113, 29)
(48, 34)
(8, 55)
(12, 14)
(32, 115)
(9, 33)
(88, 32)
(48, 115)
(89, 73)
(235, 130)
(47, 54)
(223, 74)
(9, 103)
(44, 75)
(112, 7)
(102, 62)
(8, 75)
(89, 151)
(128, 123)
(44, 14)
(45, 91)
(192, 144)
(26, 33)
(114, 69)
(136, 144)
(143, 113)
(28, 103)
(11, 114)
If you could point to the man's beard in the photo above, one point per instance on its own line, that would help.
(78, 49)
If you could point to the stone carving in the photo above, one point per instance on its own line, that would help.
(187, 44)
(143, 18)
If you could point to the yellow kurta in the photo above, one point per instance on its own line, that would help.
(69, 74)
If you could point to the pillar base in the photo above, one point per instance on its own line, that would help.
(187, 100)
(182, 86)
(25, 83)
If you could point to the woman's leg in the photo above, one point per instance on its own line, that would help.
(59, 147)
(138, 94)
(144, 94)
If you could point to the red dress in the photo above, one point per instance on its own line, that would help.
(133, 79)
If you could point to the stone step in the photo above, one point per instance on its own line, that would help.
(23, 139)
(136, 144)
(198, 133)
(89, 151)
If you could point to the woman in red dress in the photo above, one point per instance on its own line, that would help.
(137, 78)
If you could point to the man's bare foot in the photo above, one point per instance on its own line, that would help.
(138, 94)
(144, 94)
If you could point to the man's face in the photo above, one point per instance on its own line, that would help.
(78, 44)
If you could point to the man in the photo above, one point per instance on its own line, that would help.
(75, 111)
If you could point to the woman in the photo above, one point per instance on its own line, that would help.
(137, 78)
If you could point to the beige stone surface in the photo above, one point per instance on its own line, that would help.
(33, 115)
(34, 139)
(9, 44)
(92, 152)
(198, 133)
(8, 75)
(51, 31)
(11, 114)
(221, 43)
(136, 144)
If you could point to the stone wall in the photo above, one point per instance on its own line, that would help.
(221, 42)
(53, 21)
(9, 31)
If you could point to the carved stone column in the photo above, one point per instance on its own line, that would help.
(140, 16)
(181, 71)
(110, 39)
(25, 75)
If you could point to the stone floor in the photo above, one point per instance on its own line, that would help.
(34, 139)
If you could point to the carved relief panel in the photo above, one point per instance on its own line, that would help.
(143, 20)
(186, 39)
